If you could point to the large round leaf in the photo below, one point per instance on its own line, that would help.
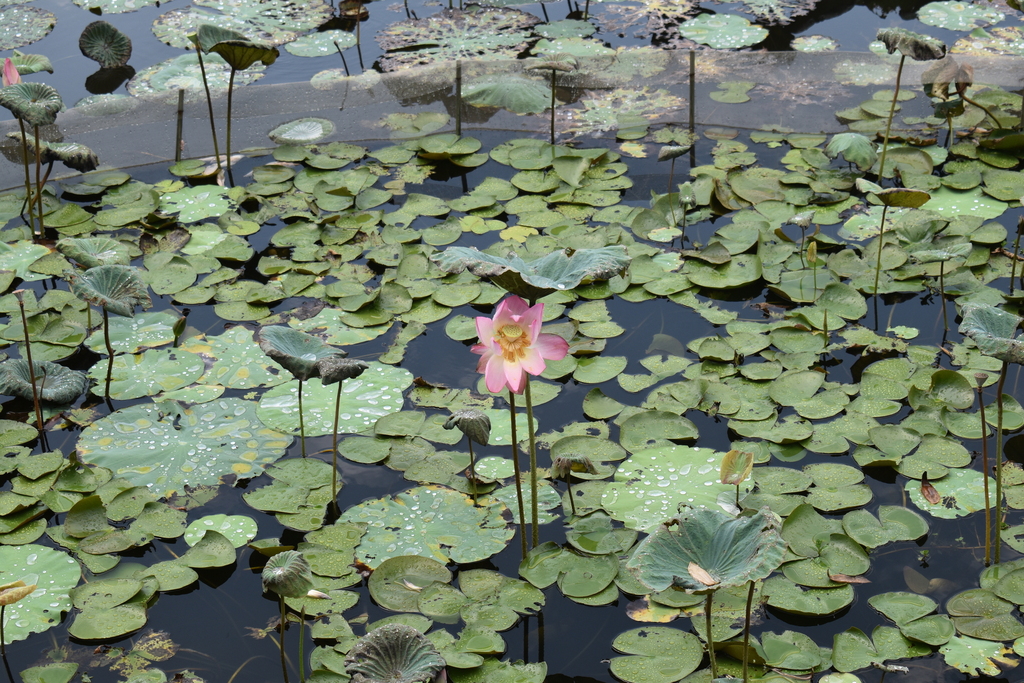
(297, 352)
(103, 43)
(166, 446)
(518, 94)
(271, 22)
(430, 521)
(704, 549)
(393, 653)
(115, 288)
(376, 393)
(150, 373)
(657, 654)
(34, 103)
(21, 26)
(234, 360)
(54, 383)
(53, 572)
(653, 485)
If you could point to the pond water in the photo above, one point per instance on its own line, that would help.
(716, 335)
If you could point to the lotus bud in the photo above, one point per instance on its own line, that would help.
(563, 465)
(11, 593)
(979, 378)
(802, 220)
(736, 467)
(473, 423)
(317, 594)
(1020, 225)
(687, 197)
(288, 574)
(337, 368)
(11, 76)
(671, 152)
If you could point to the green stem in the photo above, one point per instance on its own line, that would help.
(999, 459)
(3, 643)
(209, 105)
(1016, 248)
(110, 349)
(518, 473)
(534, 504)
(552, 106)
(888, 123)
(227, 142)
(472, 467)
(284, 665)
(746, 629)
(28, 181)
(711, 640)
(334, 448)
(984, 470)
(981, 106)
(302, 423)
(31, 365)
(942, 297)
(302, 625)
(39, 185)
(878, 261)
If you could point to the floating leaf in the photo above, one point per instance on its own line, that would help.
(722, 31)
(301, 131)
(53, 572)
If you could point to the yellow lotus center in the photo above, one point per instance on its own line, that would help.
(514, 342)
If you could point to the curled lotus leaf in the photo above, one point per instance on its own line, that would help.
(914, 45)
(288, 574)
(337, 368)
(393, 653)
(55, 383)
(102, 42)
(513, 92)
(705, 549)
(560, 270)
(299, 353)
(241, 54)
(993, 329)
(302, 131)
(31, 64)
(209, 35)
(73, 154)
(115, 288)
(94, 251)
(34, 103)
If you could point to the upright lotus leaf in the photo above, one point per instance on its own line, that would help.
(241, 54)
(517, 93)
(103, 43)
(55, 383)
(209, 35)
(115, 288)
(855, 149)
(72, 154)
(914, 45)
(36, 104)
(393, 653)
(993, 330)
(560, 270)
(705, 549)
(296, 351)
(288, 574)
(94, 251)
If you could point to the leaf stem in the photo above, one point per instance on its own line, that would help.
(888, 123)
(284, 665)
(534, 505)
(334, 448)
(711, 639)
(302, 423)
(518, 472)
(110, 349)
(31, 365)
(984, 470)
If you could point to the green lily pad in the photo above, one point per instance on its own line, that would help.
(131, 335)
(958, 16)
(722, 31)
(270, 23)
(396, 583)
(374, 394)
(653, 485)
(430, 521)
(656, 654)
(321, 43)
(238, 529)
(149, 373)
(894, 523)
(53, 572)
(961, 490)
(24, 25)
(183, 73)
(976, 657)
(303, 131)
(166, 446)
(234, 360)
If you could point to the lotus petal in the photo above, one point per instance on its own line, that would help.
(296, 351)
(103, 43)
(394, 653)
(117, 289)
(55, 383)
(34, 103)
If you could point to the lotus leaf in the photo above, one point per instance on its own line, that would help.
(103, 43)
(109, 608)
(961, 491)
(94, 251)
(785, 595)
(482, 33)
(976, 657)
(18, 256)
(194, 445)
(183, 73)
(131, 335)
(299, 353)
(234, 360)
(55, 383)
(914, 45)
(993, 330)
(430, 521)
(958, 16)
(376, 393)
(115, 288)
(273, 22)
(238, 529)
(648, 486)
(656, 655)
(393, 653)
(302, 131)
(894, 523)
(34, 103)
(518, 94)
(150, 373)
(731, 551)
(53, 573)
(722, 31)
(397, 582)
(24, 25)
(980, 613)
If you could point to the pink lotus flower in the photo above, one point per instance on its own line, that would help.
(10, 73)
(511, 345)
